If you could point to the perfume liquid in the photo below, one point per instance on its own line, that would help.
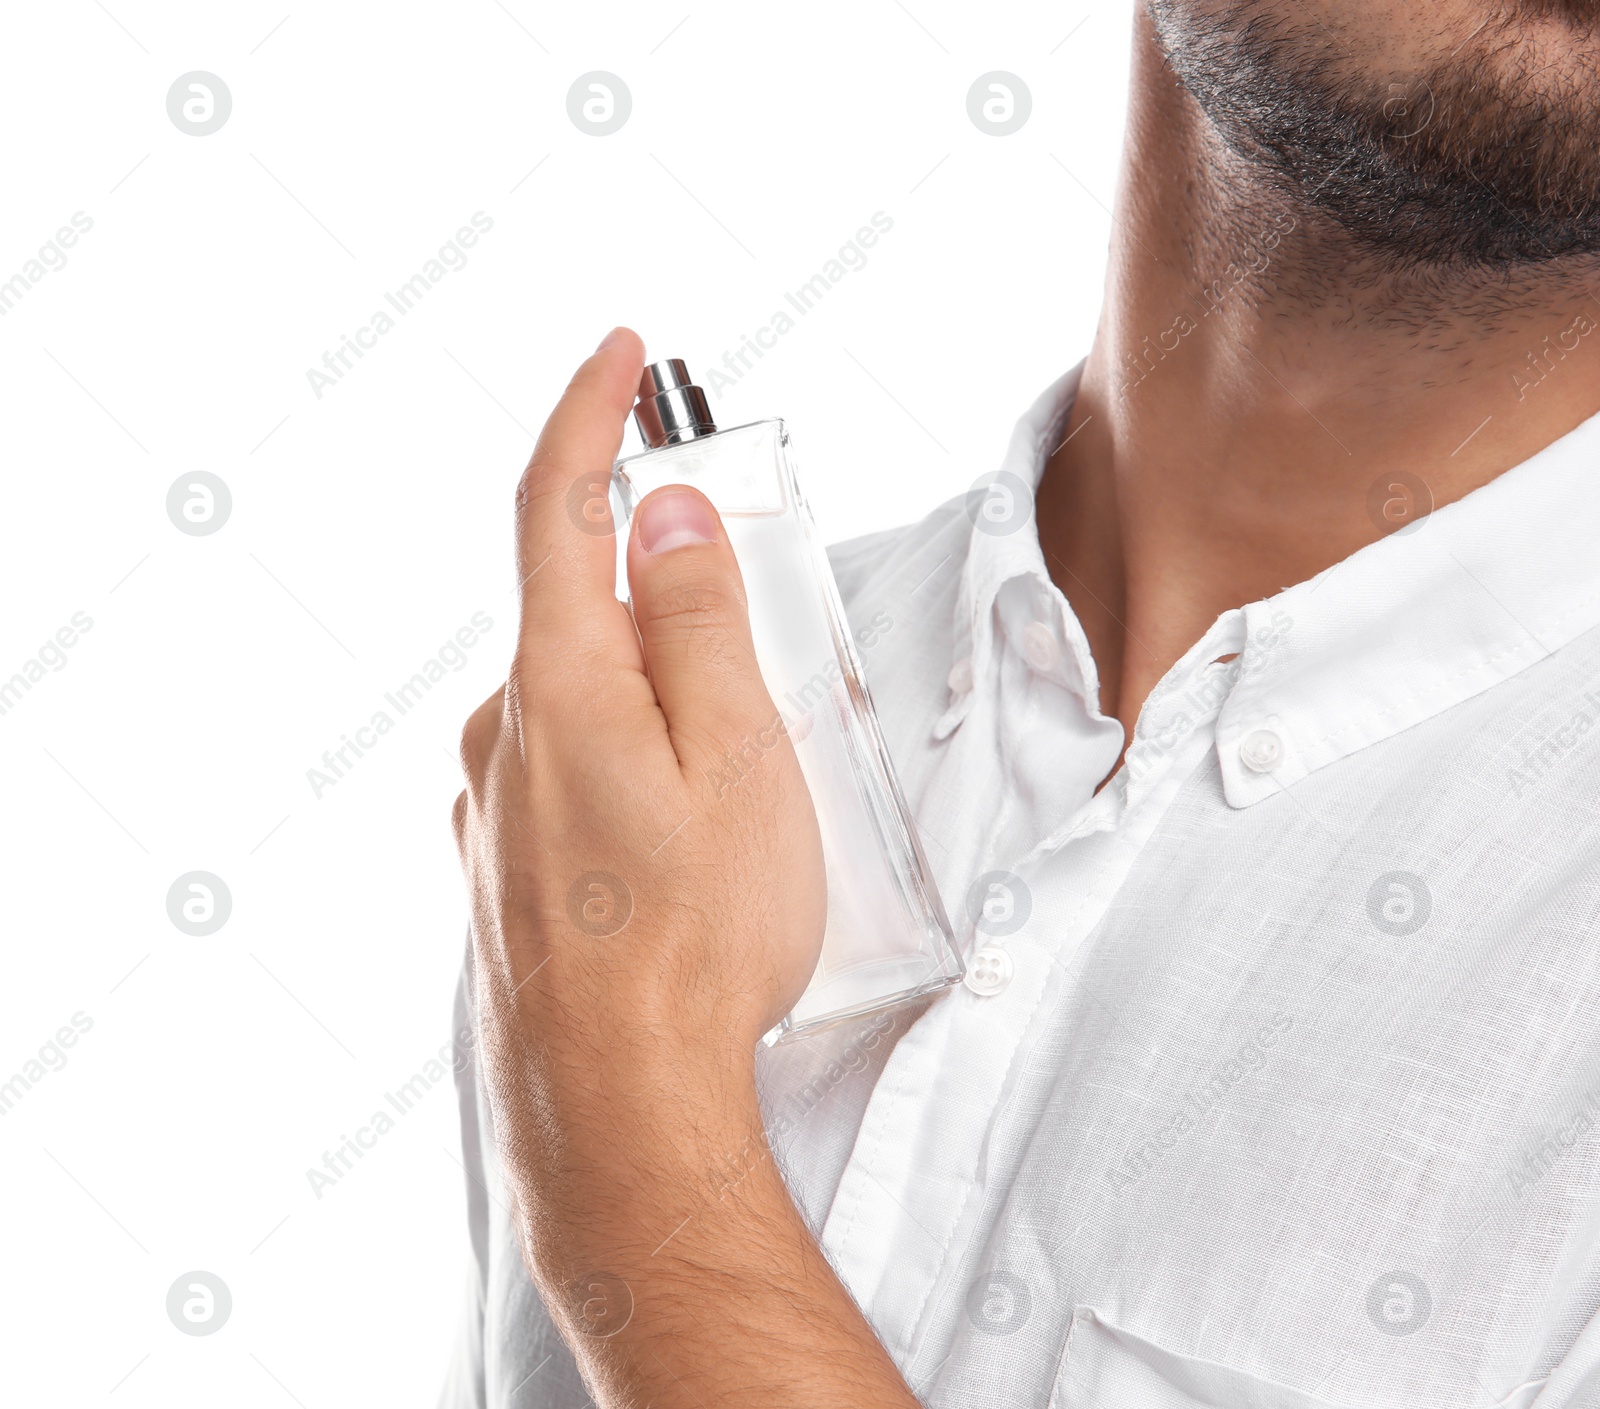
(887, 940)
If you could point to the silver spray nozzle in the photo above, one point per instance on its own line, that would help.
(671, 408)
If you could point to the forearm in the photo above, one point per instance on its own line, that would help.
(685, 1276)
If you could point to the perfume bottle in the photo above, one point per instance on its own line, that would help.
(888, 939)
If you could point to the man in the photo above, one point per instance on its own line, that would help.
(1278, 1081)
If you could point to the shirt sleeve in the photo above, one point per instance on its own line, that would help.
(464, 1382)
(508, 1353)
(1575, 1381)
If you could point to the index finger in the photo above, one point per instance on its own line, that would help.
(566, 548)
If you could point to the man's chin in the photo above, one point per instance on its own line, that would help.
(1484, 161)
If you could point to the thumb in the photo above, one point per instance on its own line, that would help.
(690, 608)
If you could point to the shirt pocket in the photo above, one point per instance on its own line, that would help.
(1104, 1364)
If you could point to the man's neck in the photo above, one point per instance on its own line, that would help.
(1261, 401)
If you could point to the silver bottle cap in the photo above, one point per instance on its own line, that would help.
(671, 408)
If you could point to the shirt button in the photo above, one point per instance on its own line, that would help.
(1261, 751)
(961, 676)
(1039, 646)
(990, 971)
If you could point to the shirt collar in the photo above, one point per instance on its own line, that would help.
(1398, 632)
(1417, 622)
(1004, 544)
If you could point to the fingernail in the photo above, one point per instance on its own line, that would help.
(675, 518)
(608, 339)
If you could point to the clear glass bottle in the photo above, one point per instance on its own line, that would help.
(888, 939)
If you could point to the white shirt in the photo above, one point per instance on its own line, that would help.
(1284, 1089)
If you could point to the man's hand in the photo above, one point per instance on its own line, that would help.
(639, 924)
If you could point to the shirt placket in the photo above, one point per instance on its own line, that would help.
(911, 1196)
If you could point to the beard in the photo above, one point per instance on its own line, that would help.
(1484, 158)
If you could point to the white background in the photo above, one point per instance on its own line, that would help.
(369, 525)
